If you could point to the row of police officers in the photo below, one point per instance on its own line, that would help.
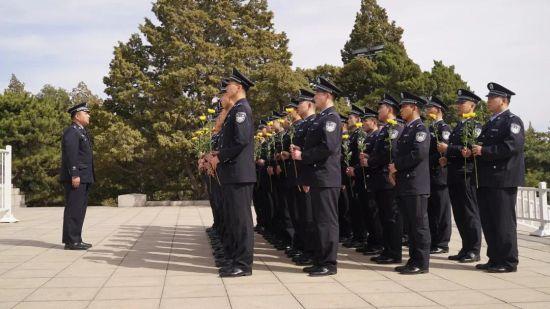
(371, 180)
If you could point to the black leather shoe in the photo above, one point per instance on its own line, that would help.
(86, 244)
(373, 250)
(309, 268)
(483, 266)
(235, 272)
(469, 257)
(438, 250)
(387, 260)
(323, 271)
(413, 270)
(353, 244)
(456, 257)
(304, 261)
(499, 269)
(76, 246)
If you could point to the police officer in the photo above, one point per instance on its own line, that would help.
(364, 187)
(304, 227)
(77, 176)
(383, 186)
(411, 166)
(439, 203)
(321, 153)
(355, 210)
(237, 176)
(462, 187)
(500, 153)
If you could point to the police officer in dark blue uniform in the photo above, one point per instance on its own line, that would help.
(355, 208)
(412, 169)
(500, 153)
(461, 180)
(383, 187)
(439, 203)
(304, 227)
(321, 153)
(77, 176)
(237, 176)
(364, 187)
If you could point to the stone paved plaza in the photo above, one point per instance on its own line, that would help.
(159, 257)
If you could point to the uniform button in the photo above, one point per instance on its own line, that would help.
(494, 166)
(407, 175)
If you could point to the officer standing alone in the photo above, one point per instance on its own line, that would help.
(77, 176)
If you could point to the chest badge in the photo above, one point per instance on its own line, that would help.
(330, 126)
(393, 133)
(515, 128)
(421, 136)
(477, 131)
(446, 135)
(240, 117)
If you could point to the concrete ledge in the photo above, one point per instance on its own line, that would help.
(132, 200)
(178, 203)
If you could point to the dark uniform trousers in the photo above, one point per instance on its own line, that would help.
(439, 214)
(240, 235)
(392, 224)
(370, 215)
(324, 204)
(76, 200)
(497, 210)
(356, 215)
(415, 211)
(344, 221)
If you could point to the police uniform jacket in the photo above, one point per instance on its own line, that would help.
(76, 155)
(236, 152)
(321, 152)
(412, 160)
(439, 131)
(502, 161)
(380, 157)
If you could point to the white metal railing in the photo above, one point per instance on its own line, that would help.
(6, 215)
(532, 208)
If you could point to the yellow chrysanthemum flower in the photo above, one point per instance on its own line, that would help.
(358, 125)
(345, 136)
(289, 109)
(270, 123)
(202, 118)
(469, 115)
(211, 111)
(433, 116)
(392, 122)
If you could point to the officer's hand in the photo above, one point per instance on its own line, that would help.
(364, 162)
(292, 147)
(363, 155)
(270, 170)
(76, 182)
(391, 168)
(260, 162)
(214, 162)
(442, 161)
(466, 153)
(350, 171)
(305, 188)
(297, 154)
(442, 147)
(476, 150)
(285, 155)
(278, 169)
(278, 157)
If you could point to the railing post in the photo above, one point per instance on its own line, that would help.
(541, 232)
(7, 217)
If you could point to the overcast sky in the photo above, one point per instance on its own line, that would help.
(507, 41)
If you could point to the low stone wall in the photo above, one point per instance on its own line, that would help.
(140, 200)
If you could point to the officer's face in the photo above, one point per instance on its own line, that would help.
(369, 124)
(233, 89)
(352, 120)
(83, 118)
(407, 111)
(383, 112)
(320, 99)
(495, 104)
(465, 107)
(303, 108)
(432, 110)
